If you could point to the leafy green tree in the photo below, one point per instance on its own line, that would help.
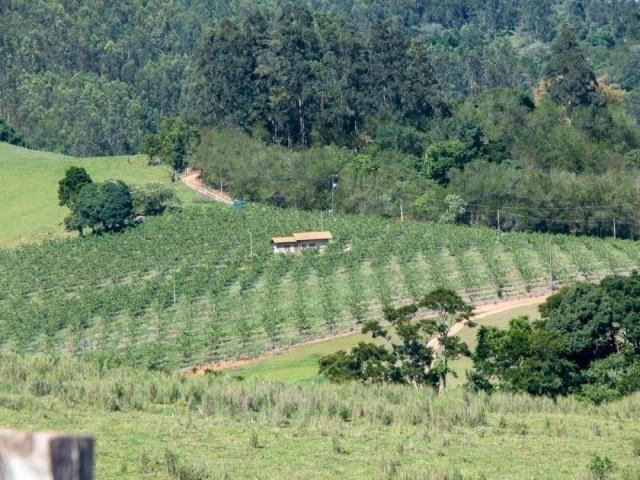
(68, 187)
(9, 134)
(222, 88)
(151, 146)
(152, 198)
(585, 318)
(103, 207)
(624, 294)
(612, 377)
(367, 363)
(441, 157)
(450, 309)
(116, 206)
(525, 357)
(455, 209)
(571, 80)
(421, 97)
(406, 356)
(173, 143)
(431, 204)
(586, 343)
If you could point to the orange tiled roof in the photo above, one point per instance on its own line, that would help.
(302, 237)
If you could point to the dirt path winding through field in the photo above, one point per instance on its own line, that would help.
(482, 311)
(193, 180)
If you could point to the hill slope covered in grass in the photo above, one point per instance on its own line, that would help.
(152, 425)
(183, 289)
(28, 191)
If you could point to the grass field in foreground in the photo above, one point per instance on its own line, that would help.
(300, 364)
(28, 192)
(220, 428)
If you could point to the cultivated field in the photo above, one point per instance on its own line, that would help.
(155, 426)
(184, 289)
(28, 193)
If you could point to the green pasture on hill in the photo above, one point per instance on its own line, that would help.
(300, 364)
(28, 191)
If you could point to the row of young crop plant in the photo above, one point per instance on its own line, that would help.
(202, 237)
(238, 303)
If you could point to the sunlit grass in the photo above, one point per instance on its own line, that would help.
(29, 209)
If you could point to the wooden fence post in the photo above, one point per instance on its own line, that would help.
(45, 456)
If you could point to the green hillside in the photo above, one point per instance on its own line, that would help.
(183, 289)
(28, 192)
(151, 425)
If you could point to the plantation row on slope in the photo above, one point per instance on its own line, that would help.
(183, 289)
(212, 428)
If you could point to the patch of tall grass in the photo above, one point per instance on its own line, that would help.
(36, 380)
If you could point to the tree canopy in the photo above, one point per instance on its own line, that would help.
(94, 79)
(571, 80)
(69, 187)
(586, 344)
(408, 355)
(104, 207)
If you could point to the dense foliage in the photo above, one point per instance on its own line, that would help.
(586, 342)
(312, 80)
(502, 113)
(171, 145)
(70, 185)
(103, 207)
(184, 288)
(90, 79)
(109, 206)
(423, 349)
(8, 134)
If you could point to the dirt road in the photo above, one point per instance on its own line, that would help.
(193, 180)
(482, 311)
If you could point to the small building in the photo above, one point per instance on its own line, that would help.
(301, 241)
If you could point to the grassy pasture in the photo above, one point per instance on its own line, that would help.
(28, 191)
(156, 426)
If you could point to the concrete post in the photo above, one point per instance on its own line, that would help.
(45, 456)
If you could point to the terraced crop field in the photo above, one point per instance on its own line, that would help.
(183, 289)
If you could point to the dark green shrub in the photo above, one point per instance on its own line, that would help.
(601, 468)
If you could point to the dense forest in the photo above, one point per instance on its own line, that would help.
(92, 79)
(522, 115)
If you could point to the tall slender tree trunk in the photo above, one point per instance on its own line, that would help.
(444, 376)
(303, 138)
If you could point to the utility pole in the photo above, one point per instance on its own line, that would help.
(614, 228)
(551, 264)
(499, 220)
(220, 166)
(334, 185)
(401, 211)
